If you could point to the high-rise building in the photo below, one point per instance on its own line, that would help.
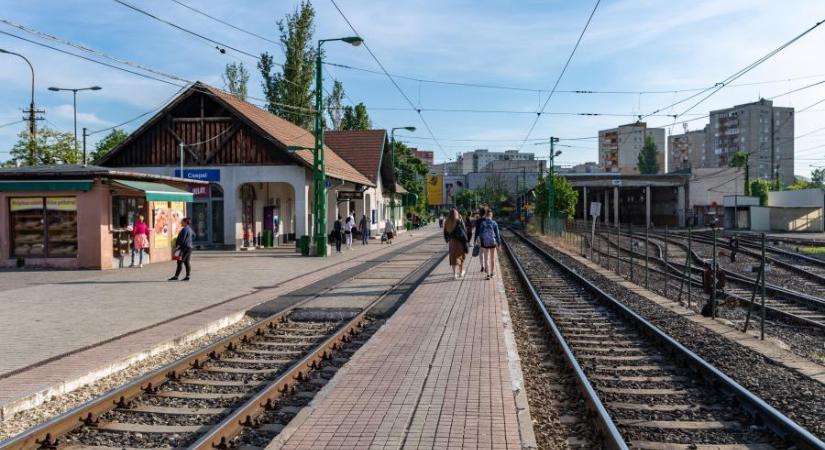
(763, 131)
(619, 147)
(477, 160)
(687, 150)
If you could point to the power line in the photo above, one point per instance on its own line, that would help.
(721, 85)
(193, 9)
(563, 70)
(221, 47)
(397, 87)
(12, 123)
(155, 109)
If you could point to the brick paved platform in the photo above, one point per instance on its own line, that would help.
(436, 375)
(62, 335)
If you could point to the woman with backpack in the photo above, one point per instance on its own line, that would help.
(455, 233)
(489, 237)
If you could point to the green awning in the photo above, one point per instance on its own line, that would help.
(45, 185)
(157, 192)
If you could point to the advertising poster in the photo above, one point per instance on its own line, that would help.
(160, 219)
(435, 190)
(176, 214)
(61, 203)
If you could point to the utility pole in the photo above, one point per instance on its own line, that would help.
(84, 147)
(551, 194)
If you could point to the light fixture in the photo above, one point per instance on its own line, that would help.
(355, 41)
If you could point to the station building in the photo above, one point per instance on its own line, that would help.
(79, 217)
(256, 183)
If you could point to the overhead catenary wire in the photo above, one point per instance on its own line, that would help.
(235, 27)
(561, 74)
(394, 83)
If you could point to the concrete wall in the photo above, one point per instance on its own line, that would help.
(806, 198)
(760, 219)
(796, 219)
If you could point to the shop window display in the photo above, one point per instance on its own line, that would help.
(44, 227)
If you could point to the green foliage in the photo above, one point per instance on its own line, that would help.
(50, 147)
(818, 178)
(740, 159)
(235, 78)
(409, 173)
(466, 200)
(356, 118)
(335, 105)
(760, 188)
(495, 192)
(799, 183)
(112, 140)
(564, 197)
(289, 90)
(648, 162)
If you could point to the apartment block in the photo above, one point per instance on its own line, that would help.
(619, 147)
(760, 129)
(687, 150)
(477, 160)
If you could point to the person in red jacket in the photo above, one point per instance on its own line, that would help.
(140, 240)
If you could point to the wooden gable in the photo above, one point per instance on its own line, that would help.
(212, 134)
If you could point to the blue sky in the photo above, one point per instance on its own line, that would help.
(631, 45)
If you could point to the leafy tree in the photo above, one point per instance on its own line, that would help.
(800, 183)
(648, 162)
(466, 199)
(565, 197)
(112, 140)
(334, 105)
(410, 172)
(495, 192)
(235, 78)
(818, 178)
(740, 159)
(760, 188)
(289, 91)
(50, 147)
(356, 118)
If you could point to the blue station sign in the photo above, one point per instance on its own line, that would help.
(200, 174)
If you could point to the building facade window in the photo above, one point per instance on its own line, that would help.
(44, 227)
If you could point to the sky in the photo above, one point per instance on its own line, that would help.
(630, 46)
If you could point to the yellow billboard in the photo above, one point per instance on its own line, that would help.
(435, 190)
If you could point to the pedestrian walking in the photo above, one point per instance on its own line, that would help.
(140, 240)
(482, 213)
(337, 228)
(455, 234)
(349, 224)
(364, 228)
(468, 225)
(441, 221)
(489, 237)
(183, 249)
(389, 231)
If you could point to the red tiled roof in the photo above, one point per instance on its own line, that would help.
(361, 148)
(288, 134)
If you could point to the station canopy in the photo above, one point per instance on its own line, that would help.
(157, 192)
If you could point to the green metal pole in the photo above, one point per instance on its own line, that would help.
(392, 193)
(318, 169)
(551, 188)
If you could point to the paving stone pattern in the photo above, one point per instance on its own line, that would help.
(435, 376)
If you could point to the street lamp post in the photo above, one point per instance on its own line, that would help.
(32, 111)
(551, 188)
(394, 172)
(74, 102)
(318, 171)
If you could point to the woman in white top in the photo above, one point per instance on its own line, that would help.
(389, 230)
(348, 225)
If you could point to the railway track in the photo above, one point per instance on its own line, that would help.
(780, 303)
(240, 391)
(645, 389)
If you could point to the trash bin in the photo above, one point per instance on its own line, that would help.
(267, 238)
(304, 244)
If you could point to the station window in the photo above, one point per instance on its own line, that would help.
(44, 227)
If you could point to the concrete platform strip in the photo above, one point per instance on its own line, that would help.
(35, 385)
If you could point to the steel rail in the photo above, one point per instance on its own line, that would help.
(610, 434)
(48, 433)
(775, 420)
(675, 271)
(246, 415)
